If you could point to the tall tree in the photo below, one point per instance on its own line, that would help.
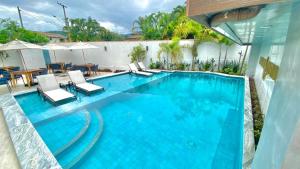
(204, 36)
(227, 43)
(89, 30)
(172, 49)
(10, 30)
(153, 26)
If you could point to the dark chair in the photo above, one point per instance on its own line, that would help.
(16, 76)
(68, 66)
(55, 67)
(4, 80)
(83, 69)
(43, 71)
(95, 69)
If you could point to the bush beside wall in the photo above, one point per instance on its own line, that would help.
(258, 116)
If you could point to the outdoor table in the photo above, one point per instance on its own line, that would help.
(27, 73)
(59, 63)
(8, 68)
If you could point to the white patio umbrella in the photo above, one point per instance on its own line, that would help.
(54, 47)
(82, 46)
(19, 45)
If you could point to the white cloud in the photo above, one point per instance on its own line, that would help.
(32, 20)
(116, 15)
(113, 27)
(42, 5)
(142, 4)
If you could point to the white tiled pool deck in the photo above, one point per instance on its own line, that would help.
(8, 155)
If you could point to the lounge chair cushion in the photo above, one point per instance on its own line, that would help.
(47, 82)
(143, 73)
(58, 95)
(143, 67)
(89, 87)
(152, 71)
(134, 69)
(76, 76)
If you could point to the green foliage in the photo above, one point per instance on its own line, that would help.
(182, 66)
(138, 53)
(258, 117)
(231, 68)
(205, 66)
(154, 26)
(162, 25)
(155, 65)
(89, 30)
(172, 49)
(10, 30)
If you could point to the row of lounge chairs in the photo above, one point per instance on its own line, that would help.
(142, 70)
(50, 88)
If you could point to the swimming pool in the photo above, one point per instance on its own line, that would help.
(170, 120)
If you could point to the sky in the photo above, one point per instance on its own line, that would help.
(115, 15)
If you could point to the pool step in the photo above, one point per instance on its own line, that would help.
(77, 137)
(63, 138)
(79, 149)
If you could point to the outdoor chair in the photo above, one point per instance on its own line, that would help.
(80, 83)
(135, 70)
(143, 68)
(68, 66)
(95, 68)
(50, 89)
(4, 80)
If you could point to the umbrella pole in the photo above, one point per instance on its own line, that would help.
(54, 56)
(83, 56)
(24, 64)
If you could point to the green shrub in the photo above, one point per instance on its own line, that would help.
(180, 66)
(258, 117)
(138, 53)
(155, 65)
(206, 65)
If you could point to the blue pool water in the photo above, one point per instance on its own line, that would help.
(179, 120)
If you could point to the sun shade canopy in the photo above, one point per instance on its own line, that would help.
(19, 45)
(54, 47)
(81, 45)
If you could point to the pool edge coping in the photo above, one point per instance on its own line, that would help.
(30, 149)
(248, 135)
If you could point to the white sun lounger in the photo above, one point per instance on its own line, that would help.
(80, 83)
(135, 70)
(143, 68)
(49, 87)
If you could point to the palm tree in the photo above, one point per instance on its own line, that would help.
(228, 43)
(221, 41)
(172, 49)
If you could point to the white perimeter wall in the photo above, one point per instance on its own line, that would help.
(117, 54)
(279, 145)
